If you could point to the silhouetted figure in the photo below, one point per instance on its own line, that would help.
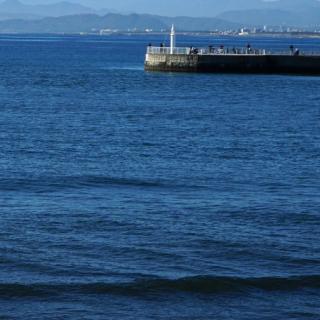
(291, 49)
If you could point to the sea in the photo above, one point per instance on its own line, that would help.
(127, 194)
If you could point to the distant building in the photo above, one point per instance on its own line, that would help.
(243, 32)
(107, 31)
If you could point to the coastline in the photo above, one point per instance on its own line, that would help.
(284, 35)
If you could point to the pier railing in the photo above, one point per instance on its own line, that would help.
(167, 50)
(205, 51)
(224, 51)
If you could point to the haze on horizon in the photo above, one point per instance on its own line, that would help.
(207, 8)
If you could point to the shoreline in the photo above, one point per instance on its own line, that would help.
(302, 35)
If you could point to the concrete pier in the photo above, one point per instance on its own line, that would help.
(183, 61)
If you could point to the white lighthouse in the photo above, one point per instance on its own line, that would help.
(172, 39)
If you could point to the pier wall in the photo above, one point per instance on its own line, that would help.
(237, 63)
(172, 62)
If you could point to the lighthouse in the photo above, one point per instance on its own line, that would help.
(172, 39)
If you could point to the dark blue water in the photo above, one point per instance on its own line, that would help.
(134, 195)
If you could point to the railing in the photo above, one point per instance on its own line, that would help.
(167, 50)
(222, 51)
(204, 51)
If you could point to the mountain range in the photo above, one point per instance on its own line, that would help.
(87, 23)
(14, 9)
(298, 13)
(207, 8)
(68, 17)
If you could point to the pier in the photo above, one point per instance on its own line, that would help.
(229, 60)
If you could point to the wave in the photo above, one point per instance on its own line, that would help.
(197, 285)
(47, 184)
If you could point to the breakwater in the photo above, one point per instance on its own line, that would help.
(257, 62)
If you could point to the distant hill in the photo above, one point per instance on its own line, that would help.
(262, 17)
(198, 24)
(199, 8)
(195, 8)
(296, 13)
(272, 17)
(92, 22)
(10, 9)
(203, 8)
(291, 5)
(67, 17)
